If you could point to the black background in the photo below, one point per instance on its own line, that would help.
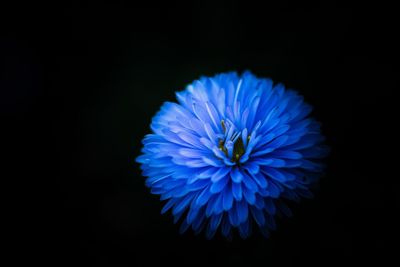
(80, 82)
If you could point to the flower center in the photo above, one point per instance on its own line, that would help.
(232, 144)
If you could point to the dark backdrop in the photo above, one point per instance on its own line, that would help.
(80, 82)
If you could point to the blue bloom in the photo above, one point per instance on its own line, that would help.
(229, 153)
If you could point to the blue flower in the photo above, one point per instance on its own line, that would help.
(229, 153)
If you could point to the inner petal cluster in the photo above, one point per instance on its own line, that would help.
(234, 141)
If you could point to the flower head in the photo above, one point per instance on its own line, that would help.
(229, 153)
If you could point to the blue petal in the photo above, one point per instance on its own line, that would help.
(258, 216)
(233, 217)
(278, 142)
(221, 173)
(211, 204)
(236, 175)
(210, 232)
(244, 229)
(249, 183)
(213, 161)
(272, 162)
(196, 163)
(177, 216)
(260, 179)
(182, 204)
(212, 112)
(286, 154)
(210, 132)
(203, 197)
(242, 210)
(215, 220)
(190, 139)
(274, 174)
(226, 227)
(193, 153)
(252, 167)
(270, 221)
(219, 185)
(183, 228)
(198, 223)
(192, 214)
(227, 198)
(168, 205)
(208, 172)
(273, 190)
(249, 196)
(309, 165)
(218, 208)
(259, 202)
(237, 191)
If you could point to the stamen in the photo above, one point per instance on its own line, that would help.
(223, 126)
(234, 142)
(222, 147)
